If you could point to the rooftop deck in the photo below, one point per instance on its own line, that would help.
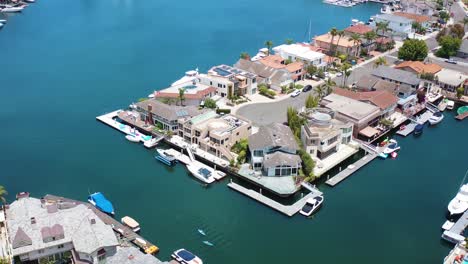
(288, 210)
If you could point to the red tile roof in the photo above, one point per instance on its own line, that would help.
(382, 99)
(415, 17)
(420, 67)
(359, 29)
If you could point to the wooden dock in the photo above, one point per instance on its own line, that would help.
(422, 119)
(407, 130)
(344, 174)
(127, 233)
(462, 116)
(288, 210)
(454, 235)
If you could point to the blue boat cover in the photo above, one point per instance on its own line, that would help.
(419, 127)
(102, 203)
(186, 255)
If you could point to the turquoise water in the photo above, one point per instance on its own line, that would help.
(64, 62)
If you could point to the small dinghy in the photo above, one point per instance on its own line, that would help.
(383, 155)
(394, 155)
(201, 232)
(208, 243)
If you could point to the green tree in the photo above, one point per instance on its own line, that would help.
(369, 37)
(465, 21)
(460, 91)
(210, 103)
(333, 33)
(345, 68)
(308, 163)
(287, 61)
(288, 41)
(340, 34)
(382, 27)
(311, 70)
(3, 194)
(413, 50)
(457, 31)
(181, 95)
(244, 55)
(311, 101)
(356, 39)
(4, 261)
(269, 45)
(448, 46)
(294, 121)
(444, 16)
(380, 61)
(325, 89)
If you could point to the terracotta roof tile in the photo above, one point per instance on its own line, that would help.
(359, 29)
(420, 67)
(273, 61)
(198, 95)
(344, 41)
(415, 17)
(382, 99)
(295, 66)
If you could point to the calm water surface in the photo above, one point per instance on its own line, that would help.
(64, 62)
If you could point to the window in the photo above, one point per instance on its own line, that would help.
(254, 80)
(277, 172)
(294, 171)
(257, 165)
(258, 153)
(40, 251)
(237, 133)
(332, 140)
(197, 133)
(211, 83)
(60, 246)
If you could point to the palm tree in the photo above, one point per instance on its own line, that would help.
(380, 61)
(465, 21)
(346, 72)
(181, 95)
(269, 45)
(288, 41)
(325, 89)
(383, 27)
(244, 55)
(340, 34)
(369, 37)
(356, 39)
(333, 33)
(3, 193)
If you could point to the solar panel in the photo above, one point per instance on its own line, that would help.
(181, 113)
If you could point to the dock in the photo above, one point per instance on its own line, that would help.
(127, 233)
(108, 119)
(344, 174)
(422, 119)
(462, 116)
(454, 235)
(288, 210)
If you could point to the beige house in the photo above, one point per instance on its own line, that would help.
(342, 45)
(215, 133)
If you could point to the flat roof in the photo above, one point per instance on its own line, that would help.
(301, 51)
(350, 107)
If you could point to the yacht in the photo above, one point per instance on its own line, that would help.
(386, 9)
(203, 174)
(1, 25)
(132, 138)
(3, 21)
(450, 103)
(459, 204)
(186, 257)
(436, 118)
(188, 77)
(100, 202)
(312, 205)
(165, 157)
(11, 9)
(392, 147)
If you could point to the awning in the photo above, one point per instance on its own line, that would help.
(369, 132)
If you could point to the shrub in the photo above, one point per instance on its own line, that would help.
(210, 103)
(223, 111)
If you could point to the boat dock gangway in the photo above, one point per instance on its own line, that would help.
(432, 107)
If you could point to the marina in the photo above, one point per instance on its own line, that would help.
(421, 119)
(288, 210)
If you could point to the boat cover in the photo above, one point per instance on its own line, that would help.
(127, 220)
(102, 203)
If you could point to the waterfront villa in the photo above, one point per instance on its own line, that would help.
(342, 45)
(194, 92)
(424, 21)
(213, 133)
(450, 80)
(418, 67)
(304, 53)
(157, 113)
(275, 77)
(425, 8)
(397, 76)
(359, 29)
(399, 25)
(295, 68)
(230, 81)
(326, 139)
(273, 151)
(385, 100)
(44, 232)
(360, 114)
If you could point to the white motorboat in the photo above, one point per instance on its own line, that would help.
(391, 147)
(436, 118)
(203, 174)
(312, 205)
(151, 95)
(131, 223)
(188, 77)
(450, 103)
(30, 1)
(1, 25)
(11, 9)
(3, 21)
(386, 9)
(447, 225)
(186, 257)
(132, 138)
(459, 204)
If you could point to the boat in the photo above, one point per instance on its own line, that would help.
(3, 21)
(201, 173)
(132, 138)
(22, 195)
(131, 223)
(394, 155)
(450, 104)
(219, 175)
(151, 95)
(186, 257)
(392, 147)
(30, 1)
(145, 247)
(208, 243)
(188, 77)
(383, 155)
(447, 225)
(436, 118)
(201, 232)
(1, 25)
(11, 9)
(418, 129)
(463, 109)
(459, 204)
(100, 202)
(165, 157)
(442, 105)
(312, 205)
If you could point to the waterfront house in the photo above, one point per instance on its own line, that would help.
(230, 81)
(425, 8)
(463, 50)
(385, 100)
(273, 151)
(41, 232)
(295, 68)
(418, 67)
(397, 76)
(213, 133)
(154, 112)
(275, 77)
(342, 45)
(360, 114)
(194, 92)
(304, 53)
(423, 20)
(359, 29)
(450, 80)
(399, 25)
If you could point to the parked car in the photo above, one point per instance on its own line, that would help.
(296, 93)
(338, 74)
(315, 78)
(307, 88)
(452, 61)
